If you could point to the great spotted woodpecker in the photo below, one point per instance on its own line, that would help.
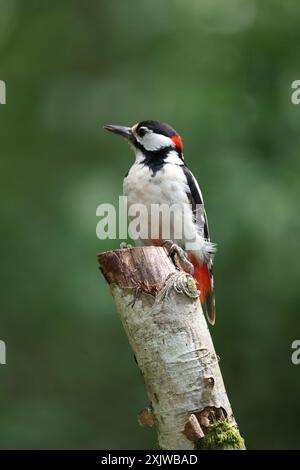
(160, 176)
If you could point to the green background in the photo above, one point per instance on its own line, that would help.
(220, 72)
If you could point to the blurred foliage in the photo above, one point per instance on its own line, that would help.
(220, 72)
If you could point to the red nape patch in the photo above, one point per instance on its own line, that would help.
(178, 142)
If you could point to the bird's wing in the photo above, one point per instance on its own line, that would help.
(196, 200)
(203, 273)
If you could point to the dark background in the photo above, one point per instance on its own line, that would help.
(220, 73)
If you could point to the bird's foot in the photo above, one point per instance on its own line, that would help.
(178, 256)
(125, 245)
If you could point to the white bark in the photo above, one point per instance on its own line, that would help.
(169, 336)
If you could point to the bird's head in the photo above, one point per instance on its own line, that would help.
(150, 137)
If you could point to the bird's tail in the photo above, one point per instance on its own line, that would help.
(205, 282)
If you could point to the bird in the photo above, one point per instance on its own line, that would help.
(159, 175)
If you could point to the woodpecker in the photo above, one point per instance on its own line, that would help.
(159, 176)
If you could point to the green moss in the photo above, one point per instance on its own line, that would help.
(221, 436)
(192, 286)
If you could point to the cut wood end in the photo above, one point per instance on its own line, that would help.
(149, 264)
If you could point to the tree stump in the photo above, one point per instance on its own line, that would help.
(161, 313)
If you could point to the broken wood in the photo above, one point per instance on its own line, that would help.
(163, 319)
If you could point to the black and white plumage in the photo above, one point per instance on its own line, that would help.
(160, 176)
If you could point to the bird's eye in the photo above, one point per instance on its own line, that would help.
(142, 131)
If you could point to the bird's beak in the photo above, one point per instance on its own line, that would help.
(120, 130)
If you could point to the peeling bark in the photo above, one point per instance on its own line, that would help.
(163, 319)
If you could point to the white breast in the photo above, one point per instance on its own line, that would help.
(166, 186)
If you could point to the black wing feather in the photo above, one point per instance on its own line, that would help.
(196, 199)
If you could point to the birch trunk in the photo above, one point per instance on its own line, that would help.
(163, 319)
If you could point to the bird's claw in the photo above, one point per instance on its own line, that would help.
(179, 256)
(124, 245)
